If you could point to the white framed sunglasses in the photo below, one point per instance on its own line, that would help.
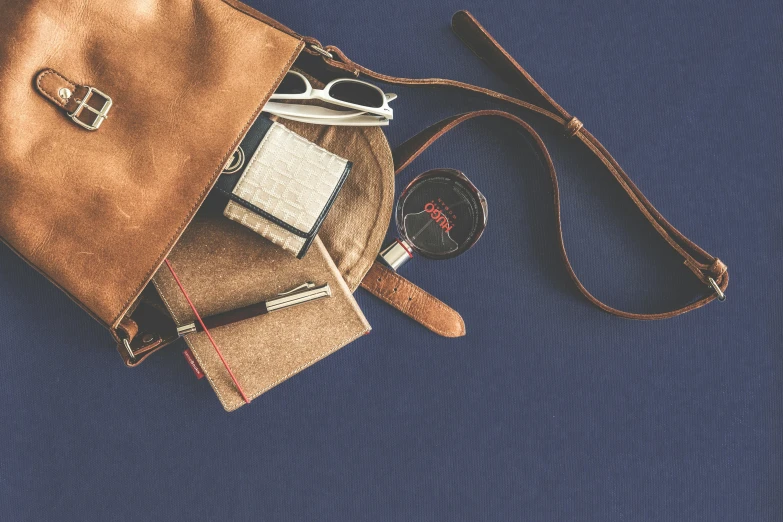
(324, 116)
(343, 92)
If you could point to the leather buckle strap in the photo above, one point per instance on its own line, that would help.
(427, 310)
(86, 106)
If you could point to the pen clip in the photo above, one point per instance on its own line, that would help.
(304, 286)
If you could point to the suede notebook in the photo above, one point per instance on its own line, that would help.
(224, 266)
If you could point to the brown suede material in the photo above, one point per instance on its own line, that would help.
(96, 212)
(224, 266)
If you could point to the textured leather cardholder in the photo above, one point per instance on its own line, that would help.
(281, 185)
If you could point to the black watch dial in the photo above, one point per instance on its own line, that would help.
(441, 214)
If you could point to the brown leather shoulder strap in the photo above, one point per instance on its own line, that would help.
(412, 148)
(709, 269)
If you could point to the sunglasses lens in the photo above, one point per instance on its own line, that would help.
(357, 93)
(292, 84)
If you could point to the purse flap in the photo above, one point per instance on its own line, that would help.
(97, 212)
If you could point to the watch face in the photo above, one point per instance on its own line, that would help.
(441, 214)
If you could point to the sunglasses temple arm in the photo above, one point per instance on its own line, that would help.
(356, 121)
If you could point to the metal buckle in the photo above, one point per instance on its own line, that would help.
(187, 329)
(323, 52)
(127, 345)
(100, 115)
(718, 291)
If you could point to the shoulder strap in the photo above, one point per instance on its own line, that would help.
(709, 269)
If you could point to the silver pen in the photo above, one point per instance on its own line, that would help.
(301, 294)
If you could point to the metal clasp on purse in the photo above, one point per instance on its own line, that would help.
(100, 114)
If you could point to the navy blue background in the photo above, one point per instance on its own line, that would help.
(549, 409)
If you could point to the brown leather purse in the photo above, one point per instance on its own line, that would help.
(169, 89)
(117, 120)
(118, 117)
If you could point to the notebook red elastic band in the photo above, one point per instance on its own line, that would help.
(206, 331)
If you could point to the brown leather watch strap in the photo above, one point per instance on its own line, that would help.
(414, 302)
(709, 269)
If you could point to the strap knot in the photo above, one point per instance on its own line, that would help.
(718, 268)
(573, 127)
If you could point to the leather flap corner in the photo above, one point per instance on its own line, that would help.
(98, 212)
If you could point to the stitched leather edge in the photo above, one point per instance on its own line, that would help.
(56, 100)
(417, 291)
